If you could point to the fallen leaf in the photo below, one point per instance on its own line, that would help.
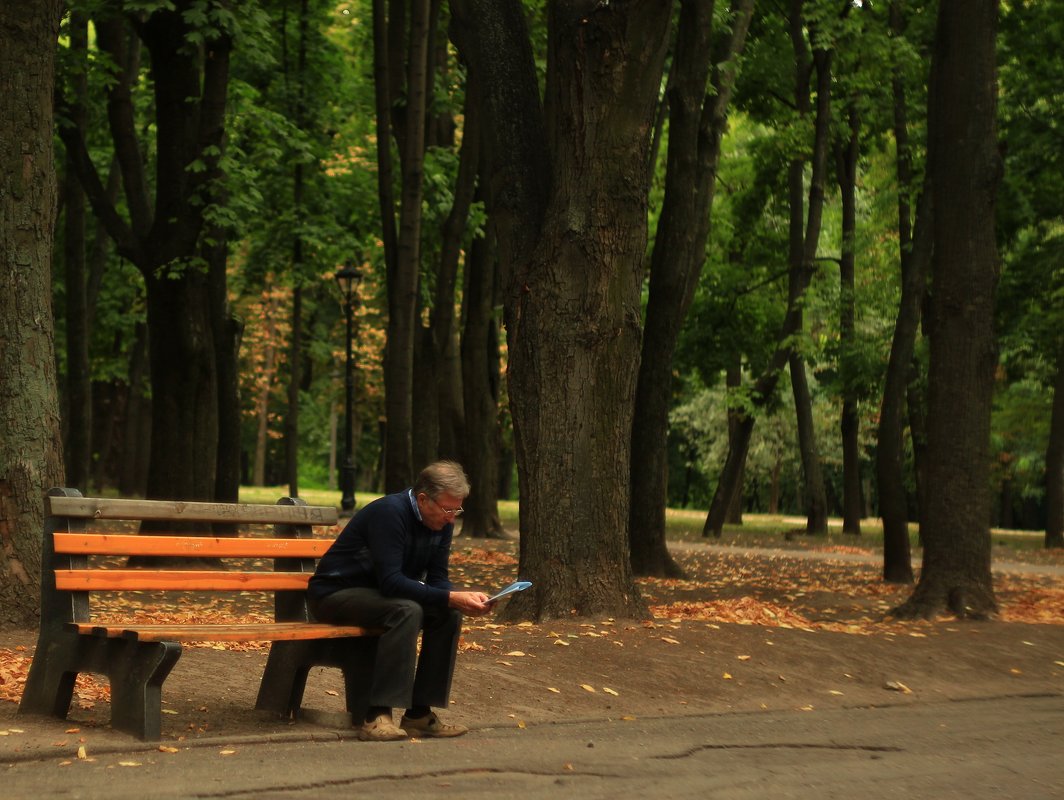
(833, 691)
(743, 658)
(129, 763)
(561, 642)
(226, 752)
(515, 653)
(167, 749)
(608, 690)
(82, 753)
(332, 693)
(552, 689)
(587, 688)
(726, 676)
(669, 639)
(1015, 671)
(897, 686)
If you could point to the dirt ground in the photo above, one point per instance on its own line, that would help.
(749, 631)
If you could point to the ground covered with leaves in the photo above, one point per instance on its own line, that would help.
(749, 629)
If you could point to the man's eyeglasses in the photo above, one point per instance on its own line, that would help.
(450, 512)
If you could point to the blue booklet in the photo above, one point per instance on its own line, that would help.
(516, 586)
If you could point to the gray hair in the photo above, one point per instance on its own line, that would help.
(442, 477)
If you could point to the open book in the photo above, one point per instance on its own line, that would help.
(516, 586)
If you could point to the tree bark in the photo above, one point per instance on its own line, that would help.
(962, 136)
(31, 444)
(849, 424)
(569, 197)
(404, 270)
(1055, 463)
(697, 120)
(164, 238)
(480, 385)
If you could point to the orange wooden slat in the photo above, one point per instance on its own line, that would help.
(176, 580)
(201, 632)
(119, 544)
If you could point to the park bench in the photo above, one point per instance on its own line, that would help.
(87, 546)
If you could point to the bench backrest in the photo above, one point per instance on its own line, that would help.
(78, 527)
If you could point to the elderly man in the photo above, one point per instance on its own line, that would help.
(388, 569)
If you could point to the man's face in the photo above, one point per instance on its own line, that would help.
(436, 513)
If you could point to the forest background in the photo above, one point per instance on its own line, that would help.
(746, 338)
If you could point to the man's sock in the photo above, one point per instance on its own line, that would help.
(418, 712)
(375, 711)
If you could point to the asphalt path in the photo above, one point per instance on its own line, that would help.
(995, 748)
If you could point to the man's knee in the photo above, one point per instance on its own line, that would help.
(404, 613)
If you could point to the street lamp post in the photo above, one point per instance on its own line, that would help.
(348, 278)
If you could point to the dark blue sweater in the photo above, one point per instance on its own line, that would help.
(386, 547)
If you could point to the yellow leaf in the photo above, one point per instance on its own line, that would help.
(561, 642)
(515, 653)
(568, 767)
(744, 658)
(226, 752)
(587, 688)
(627, 718)
(129, 763)
(169, 711)
(669, 640)
(332, 693)
(552, 689)
(918, 635)
(608, 690)
(521, 724)
(167, 749)
(504, 663)
(82, 753)
(1015, 671)
(835, 692)
(726, 676)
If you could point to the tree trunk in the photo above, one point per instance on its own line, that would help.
(480, 385)
(801, 262)
(849, 424)
(404, 269)
(31, 445)
(78, 419)
(914, 255)
(733, 379)
(966, 172)
(697, 119)
(164, 238)
(569, 198)
(1055, 463)
(815, 493)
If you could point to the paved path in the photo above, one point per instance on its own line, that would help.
(1001, 748)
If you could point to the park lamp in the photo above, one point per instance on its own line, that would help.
(348, 279)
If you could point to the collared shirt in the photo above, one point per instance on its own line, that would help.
(387, 546)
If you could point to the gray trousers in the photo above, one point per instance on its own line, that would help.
(401, 677)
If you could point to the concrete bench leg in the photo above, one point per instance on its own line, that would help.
(136, 687)
(50, 683)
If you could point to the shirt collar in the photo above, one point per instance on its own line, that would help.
(413, 504)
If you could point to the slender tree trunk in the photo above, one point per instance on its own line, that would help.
(480, 383)
(31, 445)
(1055, 463)
(733, 380)
(963, 147)
(697, 119)
(78, 422)
(403, 278)
(849, 424)
(914, 256)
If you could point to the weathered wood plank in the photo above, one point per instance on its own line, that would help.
(247, 513)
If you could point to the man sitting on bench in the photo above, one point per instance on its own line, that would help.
(388, 569)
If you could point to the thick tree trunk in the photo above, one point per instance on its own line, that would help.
(966, 172)
(815, 494)
(697, 119)
(30, 446)
(1055, 463)
(572, 229)
(733, 379)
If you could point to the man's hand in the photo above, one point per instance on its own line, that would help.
(474, 604)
